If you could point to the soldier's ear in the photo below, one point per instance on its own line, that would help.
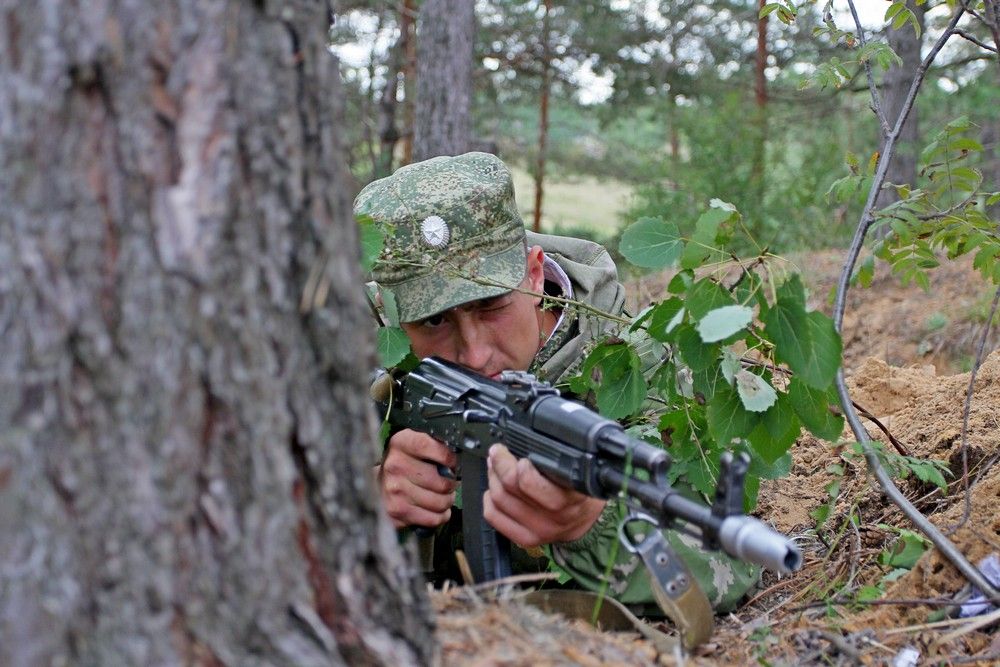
(535, 271)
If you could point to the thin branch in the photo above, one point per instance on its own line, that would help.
(965, 416)
(947, 549)
(876, 101)
(972, 11)
(479, 280)
(900, 447)
(974, 40)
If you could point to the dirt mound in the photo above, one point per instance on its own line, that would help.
(924, 411)
(903, 324)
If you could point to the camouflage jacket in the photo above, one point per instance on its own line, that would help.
(594, 279)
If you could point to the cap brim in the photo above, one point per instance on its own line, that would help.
(449, 286)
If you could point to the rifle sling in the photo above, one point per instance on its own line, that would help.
(676, 590)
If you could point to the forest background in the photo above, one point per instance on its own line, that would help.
(653, 108)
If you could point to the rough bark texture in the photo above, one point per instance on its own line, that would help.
(442, 122)
(896, 84)
(184, 457)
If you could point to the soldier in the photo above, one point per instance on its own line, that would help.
(471, 286)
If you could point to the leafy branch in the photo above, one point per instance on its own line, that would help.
(867, 218)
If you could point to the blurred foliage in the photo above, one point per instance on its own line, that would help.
(679, 121)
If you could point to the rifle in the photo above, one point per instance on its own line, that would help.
(574, 447)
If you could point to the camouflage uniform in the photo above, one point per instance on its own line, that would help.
(456, 236)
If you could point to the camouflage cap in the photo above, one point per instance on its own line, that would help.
(453, 233)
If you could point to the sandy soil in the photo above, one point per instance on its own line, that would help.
(905, 350)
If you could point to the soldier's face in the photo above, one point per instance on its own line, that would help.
(489, 335)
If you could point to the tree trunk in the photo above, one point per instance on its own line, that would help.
(907, 44)
(442, 123)
(543, 119)
(388, 133)
(184, 456)
(407, 23)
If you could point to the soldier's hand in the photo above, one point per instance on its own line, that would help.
(531, 510)
(413, 492)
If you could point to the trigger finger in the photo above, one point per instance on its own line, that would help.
(544, 492)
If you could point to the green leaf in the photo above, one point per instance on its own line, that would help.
(702, 476)
(807, 342)
(768, 9)
(622, 388)
(927, 471)
(372, 241)
(786, 324)
(825, 351)
(893, 10)
(755, 392)
(778, 430)
(705, 296)
(906, 551)
(651, 243)
(390, 308)
(866, 271)
(674, 427)
(680, 283)
(722, 323)
(813, 407)
(776, 469)
(820, 515)
(730, 365)
(695, 353)
(868, 593)
(392, 345)
(706, 381)
(727, 418)
(702, 242)
(665, 318)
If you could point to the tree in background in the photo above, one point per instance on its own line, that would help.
(906, 41)
(185, 456)
(399, 74)
(445, 34)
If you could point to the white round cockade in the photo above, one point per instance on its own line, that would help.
(435, 231)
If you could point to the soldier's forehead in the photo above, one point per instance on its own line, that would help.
(474, 304)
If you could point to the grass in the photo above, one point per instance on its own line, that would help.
(573, 202)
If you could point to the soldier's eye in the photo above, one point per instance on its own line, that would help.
(433, 321)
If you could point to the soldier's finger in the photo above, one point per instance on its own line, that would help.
(542, 491)
(424, 447)
(405, 501)
(511, 527)
(502, 467)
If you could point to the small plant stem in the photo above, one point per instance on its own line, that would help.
(555, 299)
(965, 415)
(971, 38)
(947, 549)
(900, 447)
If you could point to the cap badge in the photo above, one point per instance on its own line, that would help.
(435, 231)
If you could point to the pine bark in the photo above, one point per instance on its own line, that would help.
(185, 456)
(907, 45)
(445, 34)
